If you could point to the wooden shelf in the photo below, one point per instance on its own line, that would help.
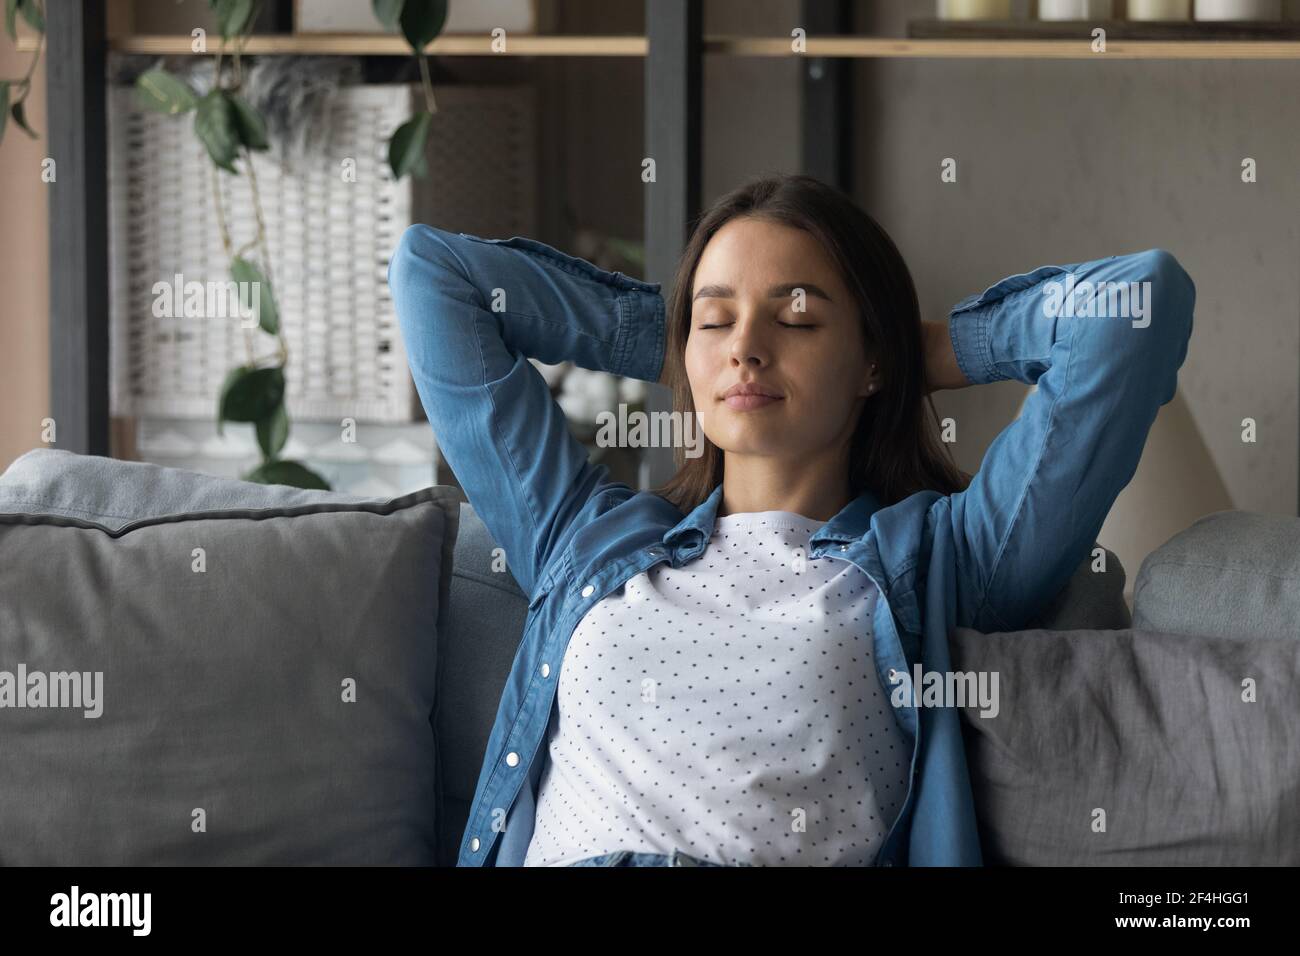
(1126, 39)
(966, 46)
(871, 47)
(1190, 30)
(352, 44)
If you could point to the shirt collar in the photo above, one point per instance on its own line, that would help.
(851, 523)
(694, 530)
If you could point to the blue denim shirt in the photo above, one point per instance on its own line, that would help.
(473, 310)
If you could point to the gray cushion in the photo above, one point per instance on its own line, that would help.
(222, 691)
(1233, 574)
(1090, 599)
(1149, 727)
(113, 493)
(478, 645)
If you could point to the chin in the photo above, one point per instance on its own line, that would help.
(754, 441)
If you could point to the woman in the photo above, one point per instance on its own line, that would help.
(719, 671)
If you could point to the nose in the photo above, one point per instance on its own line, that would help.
(748, 345)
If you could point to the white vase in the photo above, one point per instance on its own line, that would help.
(1238, 10)
(974, 9)
(1159, 9)
(1075, 9)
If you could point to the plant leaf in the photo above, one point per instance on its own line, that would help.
(389, 13)
(250, 394)
(32, 14)
(215, 127)
(422, 21)
(232, 15)
(4, 107)
(241, 270)
(287, 473)
(248, 123)
(21, 119)
(273, 432)
(231, 377)
(406, 148)
(421, 168)
(11, 18)
(159, 90)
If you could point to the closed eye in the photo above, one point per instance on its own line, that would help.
(788, 325)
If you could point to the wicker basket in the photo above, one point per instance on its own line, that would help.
(329, 240)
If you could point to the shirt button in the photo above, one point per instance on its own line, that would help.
(844, 547)
(512, 759)
(473, 845)
(546, 670)
(588, 591)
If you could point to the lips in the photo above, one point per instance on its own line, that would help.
(745, 396)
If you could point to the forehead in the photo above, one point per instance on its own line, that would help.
(750, 251)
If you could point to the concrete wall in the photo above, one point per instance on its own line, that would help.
(1064, 160)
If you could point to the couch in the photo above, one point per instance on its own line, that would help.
(299, 676)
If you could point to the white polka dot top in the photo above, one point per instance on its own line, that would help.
(729, 708)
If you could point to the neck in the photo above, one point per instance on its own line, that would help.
(814, 489)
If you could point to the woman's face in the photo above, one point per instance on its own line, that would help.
(749, 326)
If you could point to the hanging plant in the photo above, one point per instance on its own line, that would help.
(231, 130)
(420, 21)
(14, 93)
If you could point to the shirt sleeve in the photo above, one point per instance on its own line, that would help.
(1103, 341)
(472, 312)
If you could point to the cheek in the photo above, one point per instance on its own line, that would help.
(702, 374)
(821, 362)
(829, 375)
(699, 369)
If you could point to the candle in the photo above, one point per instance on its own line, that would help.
(1239, 9)
(1159, 9)
(975, 9)
(1074, 9)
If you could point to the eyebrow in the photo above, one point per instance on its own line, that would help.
(775, 292)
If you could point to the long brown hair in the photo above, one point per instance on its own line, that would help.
(895, 450)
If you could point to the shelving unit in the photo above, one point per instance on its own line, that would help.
(78, 45)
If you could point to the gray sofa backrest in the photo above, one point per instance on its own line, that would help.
(485, 624)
